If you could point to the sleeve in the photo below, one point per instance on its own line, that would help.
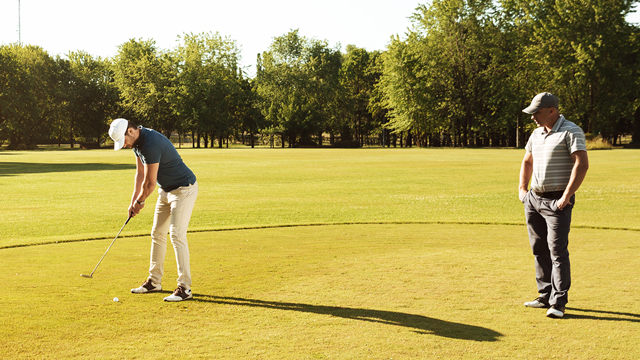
(150, 156)
(529, 146)
(575, 140)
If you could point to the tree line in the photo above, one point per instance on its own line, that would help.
(459, 77)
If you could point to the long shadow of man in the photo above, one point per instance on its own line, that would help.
(420, 324)
(604, 315)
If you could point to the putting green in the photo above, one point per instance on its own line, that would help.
(348, 291)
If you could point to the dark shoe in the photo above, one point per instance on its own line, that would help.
(179, 294)
(537, 303)
(556, 311)
(147, 287)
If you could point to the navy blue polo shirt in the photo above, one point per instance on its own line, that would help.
(155, 148)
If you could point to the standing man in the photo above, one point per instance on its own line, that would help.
(556, 161)
(158, 161)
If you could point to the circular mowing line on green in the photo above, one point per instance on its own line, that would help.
(258, 227)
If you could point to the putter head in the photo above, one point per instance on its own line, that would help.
(87, 276)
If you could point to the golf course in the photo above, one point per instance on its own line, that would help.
(371, 253)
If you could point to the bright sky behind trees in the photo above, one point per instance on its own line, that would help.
(99, 26)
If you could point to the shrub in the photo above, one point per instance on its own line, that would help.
(597, 143)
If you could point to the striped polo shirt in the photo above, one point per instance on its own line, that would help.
(552, 163)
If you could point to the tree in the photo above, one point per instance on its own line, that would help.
(585, 53)
(28, 93)
(146, 79)
(209, 80)
(376, 105)
(324, 64)
(11, 72)
(295, 84)
(247, 111)
(90, 96)
(405, 92)
(358, 78)
(512, 75)
(458, 48)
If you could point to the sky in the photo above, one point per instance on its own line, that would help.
(100, 26)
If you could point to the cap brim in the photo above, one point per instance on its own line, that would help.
(530, 110)
(117, 145)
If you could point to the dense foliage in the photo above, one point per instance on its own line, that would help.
(459, 77)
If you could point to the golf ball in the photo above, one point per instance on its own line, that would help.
(115, 299)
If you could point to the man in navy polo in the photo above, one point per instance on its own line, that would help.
(157, 161)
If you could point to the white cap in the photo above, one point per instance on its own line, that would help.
(116, 132)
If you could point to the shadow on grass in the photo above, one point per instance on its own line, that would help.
(617, 316)
(8, 168)
(420, 324)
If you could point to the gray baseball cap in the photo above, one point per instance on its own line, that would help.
(541, 101)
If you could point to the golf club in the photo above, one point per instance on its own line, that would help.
(105, 253)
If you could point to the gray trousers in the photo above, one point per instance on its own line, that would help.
(548, 229)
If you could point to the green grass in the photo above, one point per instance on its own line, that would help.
(345, 292)
(434, 264)
(70, 195)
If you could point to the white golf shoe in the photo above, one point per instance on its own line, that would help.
(556, 311)
(179, 294)
(537, 303)
(147, 287)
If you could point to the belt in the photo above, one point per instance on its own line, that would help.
(549, 194)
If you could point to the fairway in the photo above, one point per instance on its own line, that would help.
(55, 196)
(345, 292)
(314, 254)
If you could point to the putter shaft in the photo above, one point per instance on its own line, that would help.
(105, 253)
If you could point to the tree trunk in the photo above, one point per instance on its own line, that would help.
(635, 138)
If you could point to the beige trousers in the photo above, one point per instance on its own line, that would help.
(173, 212)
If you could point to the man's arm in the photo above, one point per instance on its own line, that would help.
(578, 173)
(137, 185)
(146, 176)
(526, 170)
